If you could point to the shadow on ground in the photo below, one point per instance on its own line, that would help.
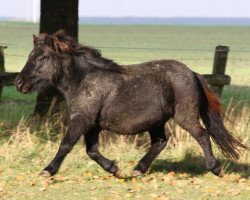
(195, 165)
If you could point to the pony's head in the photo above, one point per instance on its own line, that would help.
(59, 56)
(44, 65)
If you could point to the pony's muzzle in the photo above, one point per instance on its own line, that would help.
(21, 86)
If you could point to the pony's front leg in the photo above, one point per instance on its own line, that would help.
(75, 130)
(92, 143)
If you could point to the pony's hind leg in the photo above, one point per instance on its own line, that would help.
(92, 144)
(158, 143)
(190, 122)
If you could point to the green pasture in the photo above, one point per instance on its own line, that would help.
(178, 173)
(193, 45)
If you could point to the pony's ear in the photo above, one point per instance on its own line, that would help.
(48, 40)
(35, 39)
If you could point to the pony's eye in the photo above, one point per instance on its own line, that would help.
(40, 58)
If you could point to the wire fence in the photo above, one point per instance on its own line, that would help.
(183, 54)
(149, 48)
(198, 59)
(160, 49)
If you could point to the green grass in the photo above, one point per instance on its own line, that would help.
(14, 105)
(18, 37)
(178, 173)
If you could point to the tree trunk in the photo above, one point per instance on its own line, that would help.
(59, 14)
(56, 15)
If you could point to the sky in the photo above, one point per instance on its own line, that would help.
(29, 9)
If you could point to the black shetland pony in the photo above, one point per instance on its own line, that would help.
(102, 95)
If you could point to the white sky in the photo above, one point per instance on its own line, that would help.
(25, 9)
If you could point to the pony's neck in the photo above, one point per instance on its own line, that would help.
(78, 67)
(70, 75)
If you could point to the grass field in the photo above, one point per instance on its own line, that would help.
(178, 173)
(193, 45)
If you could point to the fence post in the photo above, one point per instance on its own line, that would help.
(2, 69)
(220, 61)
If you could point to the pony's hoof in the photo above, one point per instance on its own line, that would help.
(119, 174)
(221, 174)
(45, 174)
(136, 173)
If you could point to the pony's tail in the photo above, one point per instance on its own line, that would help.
(211, 114)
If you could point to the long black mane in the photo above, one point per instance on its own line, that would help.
(64, 44)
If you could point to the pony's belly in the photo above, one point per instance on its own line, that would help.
(132, 124)
(124, 128)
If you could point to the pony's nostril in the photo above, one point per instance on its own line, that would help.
(18, 82)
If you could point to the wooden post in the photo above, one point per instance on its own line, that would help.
(220, 61)
(2, 69)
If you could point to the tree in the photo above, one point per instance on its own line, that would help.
(56, 15)
(59, 14)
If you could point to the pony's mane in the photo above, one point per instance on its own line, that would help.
(63, 44)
